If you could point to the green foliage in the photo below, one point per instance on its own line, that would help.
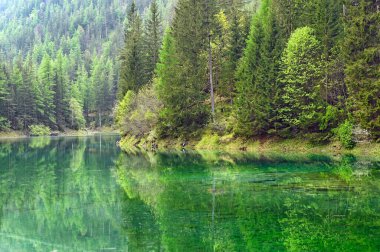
(362, 69)
(180, 84)
(132, 75)
(124, 107)
(39, 130)
(330, 118)
(300, 79)
(305, 66)
(137, 115)
(77, 118)
(256, 76)
(208, 142)
(152, 39)
(4, 124)
(345, 134)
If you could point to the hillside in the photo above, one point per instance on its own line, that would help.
(59, 62)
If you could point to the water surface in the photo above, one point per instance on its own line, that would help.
(83, 194)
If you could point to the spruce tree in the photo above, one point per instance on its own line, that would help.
(132, 75)
(61, 98)
(190, 36)
(45, 105)
(4, 99)
(257, 75)
(152, 39)
(362, 47)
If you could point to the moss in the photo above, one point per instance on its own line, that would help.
(208, 142)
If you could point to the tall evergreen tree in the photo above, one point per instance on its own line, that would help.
(190, 36)
(153, 39)
(4, 99)
(46, 94)
(362, 50)
(256, 86)
(132, 75)
(61, 98)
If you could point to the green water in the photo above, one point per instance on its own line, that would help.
(83, 194)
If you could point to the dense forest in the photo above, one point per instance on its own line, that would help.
(180, 69)
(307, 68)
(59, 61)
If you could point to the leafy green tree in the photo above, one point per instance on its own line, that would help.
(77, 118)
(300, 80)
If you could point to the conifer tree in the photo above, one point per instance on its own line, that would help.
(61, 98)
(4, 100)
(153, 39)
(256, 86)
(190, 36)
(362, 47)
(45, 105)
(132, 75)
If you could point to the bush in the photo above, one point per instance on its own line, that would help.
(39, 130)
(137, 114)
(345, 134)
(4, 124)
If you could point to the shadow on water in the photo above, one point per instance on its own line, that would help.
(83, 194)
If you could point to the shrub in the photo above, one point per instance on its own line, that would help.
(39, 130)
(208, 142)
(4, 124)
(345, 134)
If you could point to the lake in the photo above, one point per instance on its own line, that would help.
(83, 194)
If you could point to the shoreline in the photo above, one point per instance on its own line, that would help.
(70, 133)
(239, 145)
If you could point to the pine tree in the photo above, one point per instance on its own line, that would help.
(168, 85)
(132, 75)
(16, 80)
(256, 86)
(61, 98)
(45, 105)
(153, 39)
(189, 91)
(362, 47)
(4, 100)
(27, 108)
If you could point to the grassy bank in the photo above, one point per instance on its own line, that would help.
(229, 143)
(71, 133)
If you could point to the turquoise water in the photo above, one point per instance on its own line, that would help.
(83, 194)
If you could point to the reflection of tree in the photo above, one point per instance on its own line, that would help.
(221, 202)
(60, 196)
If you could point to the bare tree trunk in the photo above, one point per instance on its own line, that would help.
(210, 65)
(211, 79)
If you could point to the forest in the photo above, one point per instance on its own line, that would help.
(183, 69)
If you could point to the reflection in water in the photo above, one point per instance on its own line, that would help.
(82, 194)
(59, 195)
(221, 202)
